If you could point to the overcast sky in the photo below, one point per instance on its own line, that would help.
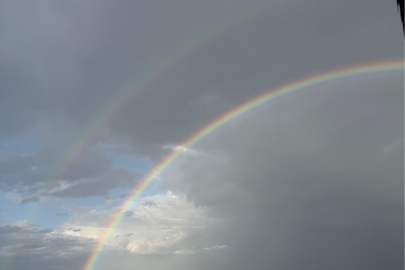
(94, 94)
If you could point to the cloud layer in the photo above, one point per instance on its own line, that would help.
(311, 181)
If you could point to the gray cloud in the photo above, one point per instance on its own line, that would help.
(9, 229)
(310, 182)
(240, 64)
(313, 181)
(31, 249)
(58, 81)
(48, 230)
(95, 56)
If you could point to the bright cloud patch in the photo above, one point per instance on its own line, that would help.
(155, 224)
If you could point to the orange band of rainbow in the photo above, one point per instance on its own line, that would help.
(254, 103)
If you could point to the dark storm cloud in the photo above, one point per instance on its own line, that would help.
(76, 57)
(64, 63)
(311, 182)
(278, 47)
(314, 180)
(94, 50)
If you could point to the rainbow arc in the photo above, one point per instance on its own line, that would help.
(301, 85)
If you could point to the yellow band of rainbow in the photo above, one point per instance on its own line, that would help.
(254, 103)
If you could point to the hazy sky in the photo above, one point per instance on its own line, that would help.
(94, 94)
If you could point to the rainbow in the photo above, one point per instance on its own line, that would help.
(317, 80)
(95, 127)
(109, 113)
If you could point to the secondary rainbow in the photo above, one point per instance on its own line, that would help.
(95, 127)
(109, 113)
(316, 80)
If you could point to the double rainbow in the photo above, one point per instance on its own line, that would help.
(96, 126)
(317, 80)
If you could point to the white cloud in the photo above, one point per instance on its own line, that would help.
(157, 224)
(173, 147)
(309, 178)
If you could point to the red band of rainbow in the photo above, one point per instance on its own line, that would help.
(219, 122)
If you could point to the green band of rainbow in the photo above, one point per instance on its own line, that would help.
(96, 126)
(254, 103)
(110, 112)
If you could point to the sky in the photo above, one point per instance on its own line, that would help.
(96, 94)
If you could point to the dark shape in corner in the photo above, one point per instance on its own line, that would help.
(400, 4)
